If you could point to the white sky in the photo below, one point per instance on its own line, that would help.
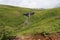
(32, 3)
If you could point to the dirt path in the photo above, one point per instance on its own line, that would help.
(39, 36)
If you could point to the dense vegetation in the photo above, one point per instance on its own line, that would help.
(12, 21)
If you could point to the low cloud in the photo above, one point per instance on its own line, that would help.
(32, 3)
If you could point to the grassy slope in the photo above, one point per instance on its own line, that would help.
(12, 20)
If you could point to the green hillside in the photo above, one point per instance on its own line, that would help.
(12, 20)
